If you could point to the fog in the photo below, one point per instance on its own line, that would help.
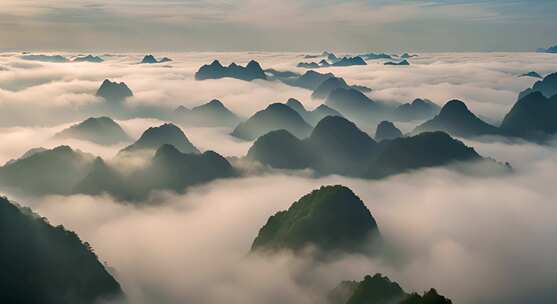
(477, 239)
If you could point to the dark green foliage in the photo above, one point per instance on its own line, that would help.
(387, 130)
(429, 149)
(276, 116)
(457, 120)
(380, 290)
(113, 91)
(533, 117)
(54, 171)
(216, 70)
(377, 290)
(430, 297)
(332, 218)
(48, 265)
(100, 130)
(155, 137)
(211, 114)
(419, 109)
(280, 149)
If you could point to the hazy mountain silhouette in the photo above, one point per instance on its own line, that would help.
(407, 56)
(100, 130)
(276, 116)
(387, 130)
(314, 116)
(113, 91)
(168, 169)
(46, 58)
(45, 264)
(27, 154)
(457, 120)
(88, 58)
(551, 49)
(282, 75)
(308, 65)
(349, 61)
(154, 137)
(216, 70)
(331, 218)
(327, 86)
(531, 74)
(324, 63)
(53, 171)
(419, 109)
(375, 56)
(380, 290)
(403, 62)
(337, 146)
(533, 117)
(311, 80)
(212, 114)
(150, 59)
(429, 149)
(354, 104)
(293, 154)
(547, 86)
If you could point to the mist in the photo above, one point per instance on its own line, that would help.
(475, 238)
(479, 240)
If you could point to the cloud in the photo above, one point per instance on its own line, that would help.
(477, 240)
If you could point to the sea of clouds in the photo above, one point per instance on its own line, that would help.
(476, 239)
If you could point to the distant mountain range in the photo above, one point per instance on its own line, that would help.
(216, 70)
(551, 49)
(331, 218)
(100, 130)
(46, 58)
(335, 62)
(88, 58)
(45, 264)
(171, 163)
(150, 59)
(403, 62)
(337, 146)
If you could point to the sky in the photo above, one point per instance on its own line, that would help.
(286, 25)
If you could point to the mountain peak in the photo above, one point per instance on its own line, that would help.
(168, 133)
(113, 91)
(332, 218)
